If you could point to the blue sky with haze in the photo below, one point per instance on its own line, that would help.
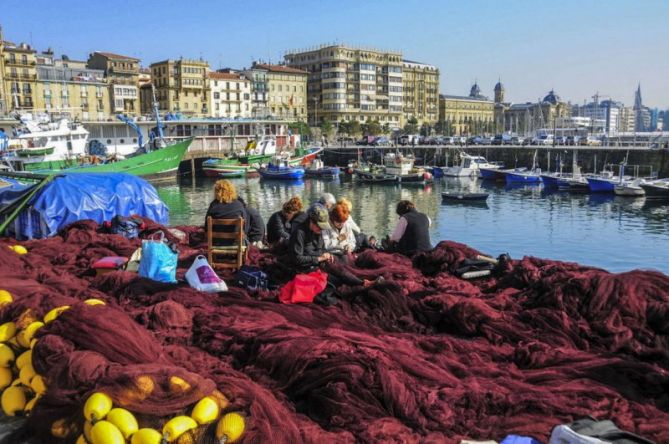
(576, 47)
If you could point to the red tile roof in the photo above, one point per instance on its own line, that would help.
(226, 76)
(279, 68)
(111, 55)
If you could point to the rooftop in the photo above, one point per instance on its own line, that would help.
(226, 76)
(344, 46)
(279, 68)
(111, 55)
(476, 99)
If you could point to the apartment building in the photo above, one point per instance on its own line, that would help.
(420, 88)
(182, 86)
(287, 91)
(230, 94)
(349, 83)
(122, 73)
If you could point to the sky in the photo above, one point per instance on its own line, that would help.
(576, 47)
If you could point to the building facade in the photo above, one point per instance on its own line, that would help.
(347, 84)
(182, 86)
(287, 91)
(528, 118)
(18, 76)
(420, 89)
(230, 95)
(122, 73)
(67, 88)
(259, 92)
(467, 115)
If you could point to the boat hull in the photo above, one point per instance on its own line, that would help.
(627, 191)
(550, 181)
(464, 196)
(281, 173)
(655, 192)
(492, 174)
(598, 185)
(367, 177)
(324, 173)
(522, 178)
(159, 162)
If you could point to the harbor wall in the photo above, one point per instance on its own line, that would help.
(590, 159)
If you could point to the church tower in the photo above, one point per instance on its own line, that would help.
(499, 92)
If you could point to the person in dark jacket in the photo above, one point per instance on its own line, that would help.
(225, 206)
(307, 250)
(412, 233)
(280, 223)
(254, 226)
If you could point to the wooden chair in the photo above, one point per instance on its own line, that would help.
(226, 256)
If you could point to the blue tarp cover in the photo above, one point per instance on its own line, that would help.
(97, 196)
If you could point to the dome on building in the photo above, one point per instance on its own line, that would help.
(552, 98)
(499, 86)
(475, 91)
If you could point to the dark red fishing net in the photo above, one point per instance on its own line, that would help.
(422, 357)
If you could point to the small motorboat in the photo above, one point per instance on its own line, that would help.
(464, 196)
(319, 170)
(419, 177)
(375, 177)
(572, 184)
(529, 176)
(630, 189)
(280, 169)
(656, 189)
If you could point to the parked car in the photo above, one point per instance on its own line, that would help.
(592, 141)
(380, 141)
(573, 140)
(366, 140)
(515, 140)
(501, 139)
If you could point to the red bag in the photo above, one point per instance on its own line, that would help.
(304, 287)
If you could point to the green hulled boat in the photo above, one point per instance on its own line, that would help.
(158, 162)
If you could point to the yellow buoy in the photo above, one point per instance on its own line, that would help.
(31, 405)
(5, 298)
(146, 436)
(104, 432)
(30, 330)
(97, 406)
(26, 374)
(177, 426)
(6, 355)
(38, 385)
(81, 440)
(19, 249)
(5, 377)
(94, 301)
(13, 400)
(32, 343)
(7, 331)
(87, 430)
(124, 421)
(178, 385)
(205, 411)
(230, 428)
(60, 428)
(24, 359)
(54, 313)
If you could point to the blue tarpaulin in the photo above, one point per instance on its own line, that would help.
(77, 196)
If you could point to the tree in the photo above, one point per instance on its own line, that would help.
(345, 127)
(425, 129)
(372, 127)
(385, 129)
(326, 127)
(354, 127)
(411, 126)
(300, 127)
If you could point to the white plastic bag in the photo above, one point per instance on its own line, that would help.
(202, 277)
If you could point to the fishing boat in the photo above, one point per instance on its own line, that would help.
(304, 156)
(470, 166)
(377, 177)
(532, 176)
(229, 169)
(577, 184)
(240, 164)
(463, 196)
(402, 167)
(629, 189)
(656, 189)
(68, 141)
(496, 174)
(280, 169)
(317, 169)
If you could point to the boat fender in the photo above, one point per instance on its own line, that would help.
(475, 274)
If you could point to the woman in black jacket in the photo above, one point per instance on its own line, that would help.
(225, 206)
(279, 225)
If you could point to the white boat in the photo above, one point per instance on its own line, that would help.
(656, 189)
(629, 189)
(470, 166)
(397, 164)
(39, 141)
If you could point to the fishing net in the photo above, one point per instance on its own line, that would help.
(423, 356)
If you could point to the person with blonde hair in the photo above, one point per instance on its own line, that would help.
(280, 224)
(226, 205)
(361, 239)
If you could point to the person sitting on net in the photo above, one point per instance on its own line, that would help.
(362, 241)
(254, 226)
(279, 225)
(412, 233)
(339, 238)
(307, 251)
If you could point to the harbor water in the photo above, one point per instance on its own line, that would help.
(607, 231)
